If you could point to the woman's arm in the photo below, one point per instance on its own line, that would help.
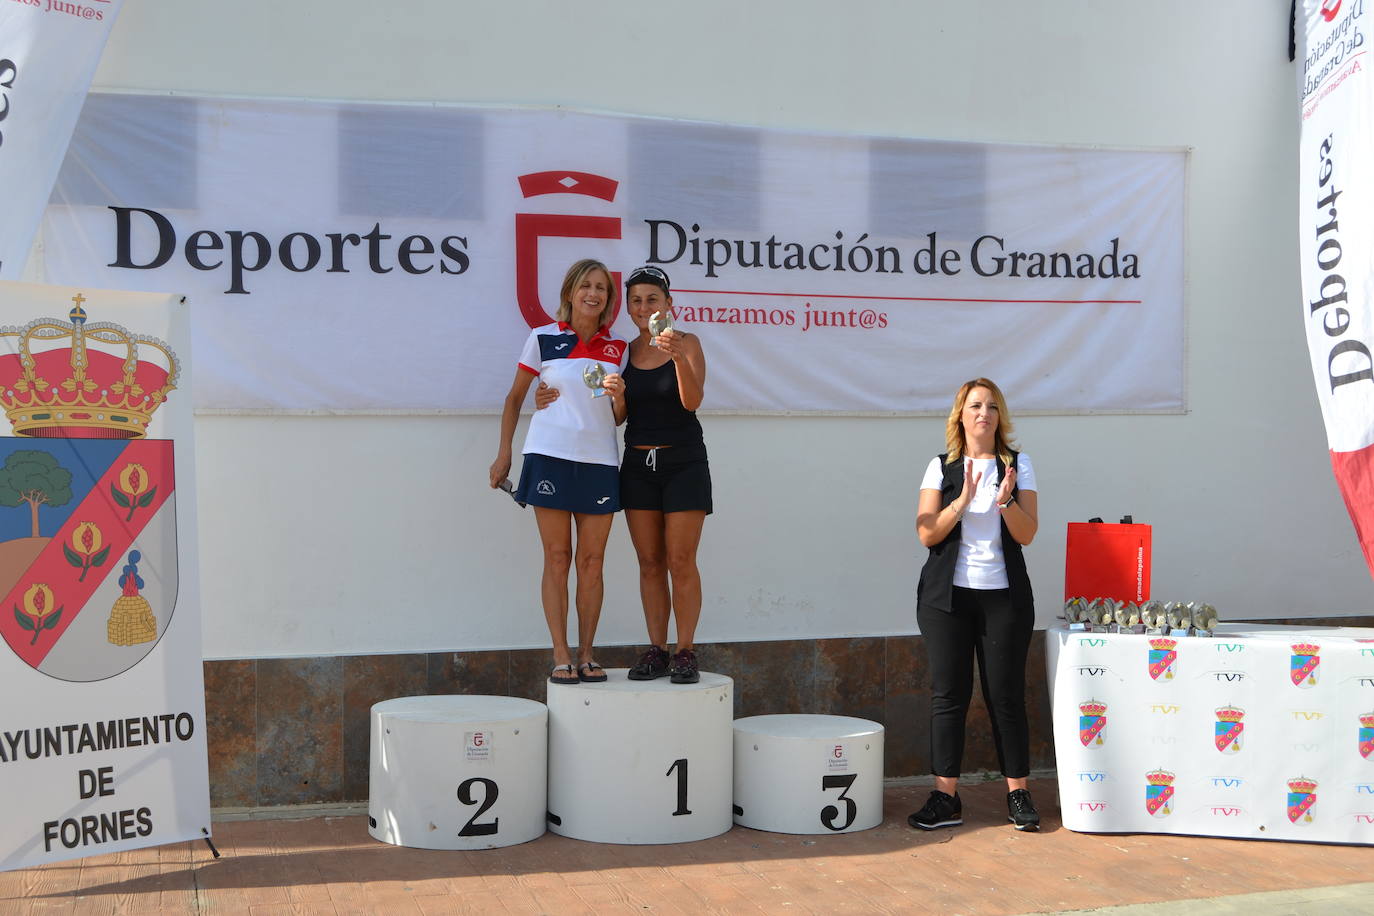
(934, 524)
(685, 350)
(510, 416)
(1022, 517)
(615, 387)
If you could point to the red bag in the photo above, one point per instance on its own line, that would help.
(1107, 561)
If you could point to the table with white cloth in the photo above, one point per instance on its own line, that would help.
(1260, 731)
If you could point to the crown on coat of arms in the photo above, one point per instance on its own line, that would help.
(1093, 708)
(63, 381)
(1367, 720)
(1302, 785)
(1230, 714)
(1160, 778)
(1306, 648)
(1162, 644)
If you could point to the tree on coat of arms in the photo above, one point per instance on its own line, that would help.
(35, 478)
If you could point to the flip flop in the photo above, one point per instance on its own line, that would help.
(571, 677)
(591, 677)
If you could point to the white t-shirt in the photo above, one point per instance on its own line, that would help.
(577, 426)
(980, 563)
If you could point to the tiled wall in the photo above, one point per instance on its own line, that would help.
(295, 730)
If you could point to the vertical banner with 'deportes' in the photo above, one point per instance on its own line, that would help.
(1336, 226)
(102, 733)
(48, 54)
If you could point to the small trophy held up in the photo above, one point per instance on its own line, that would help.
(659, 322)
(595, 377)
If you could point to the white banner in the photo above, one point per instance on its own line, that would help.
(102, 734)
(1336, 225)
(48, 53)
(351, 257)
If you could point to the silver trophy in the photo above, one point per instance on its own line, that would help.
(659, 322)
(1205, 618)
(595, 377)
(1180, 615)
(1154, 616)
(1127, 615)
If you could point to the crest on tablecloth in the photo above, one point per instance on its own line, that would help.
(1159, 793)
(1302, 664)
(1228, 729)
(1163, 655)
(1092, 719)
(1302, 796)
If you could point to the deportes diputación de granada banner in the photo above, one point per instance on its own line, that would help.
(102, 732)
(48, 52)
(1336, 225)
(393, 257)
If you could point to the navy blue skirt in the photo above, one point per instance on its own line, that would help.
(572, 486)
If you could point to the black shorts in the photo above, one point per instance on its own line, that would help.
(675, 479)
(572, 486)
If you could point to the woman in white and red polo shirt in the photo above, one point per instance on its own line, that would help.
(570, 473)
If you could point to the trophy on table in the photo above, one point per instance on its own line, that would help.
(659, 322)
(595, 378)
(1205, 619)
(1155, 617)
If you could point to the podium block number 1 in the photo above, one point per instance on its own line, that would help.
(681, 766)
(830, 812)
(465, 797)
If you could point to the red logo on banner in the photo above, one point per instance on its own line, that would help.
(1330, 9)
(531, 227)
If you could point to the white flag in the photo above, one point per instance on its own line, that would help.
(48, 54)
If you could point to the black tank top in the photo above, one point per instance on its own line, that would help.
(656, 415)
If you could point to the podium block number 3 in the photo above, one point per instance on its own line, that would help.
(681, 766)
(830, 812)
(466, 797)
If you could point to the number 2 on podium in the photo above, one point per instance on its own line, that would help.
(489, 793)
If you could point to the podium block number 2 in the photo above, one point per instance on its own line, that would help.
(465, 796)
(830, 812)
(681, 766)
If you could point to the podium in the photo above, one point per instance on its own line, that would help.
(458, 772)
(808, 773)
(640, 762)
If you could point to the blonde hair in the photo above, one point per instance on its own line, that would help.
(954, 427)
(576, 274)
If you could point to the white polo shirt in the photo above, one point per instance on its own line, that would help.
(577, 426)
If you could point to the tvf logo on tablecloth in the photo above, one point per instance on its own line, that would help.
(1302, 664)
(1092, 719)
(1163, 655)
(1228, 729)
(1159, 793)
(1302, 797)
(87, 505)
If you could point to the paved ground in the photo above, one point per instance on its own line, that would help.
(331, 865)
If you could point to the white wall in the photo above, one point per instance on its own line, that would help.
(305, 552)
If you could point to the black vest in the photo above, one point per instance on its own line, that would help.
(936, 587)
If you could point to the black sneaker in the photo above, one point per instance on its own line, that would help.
(940, 810)
(652, 664)
(684, 667)
(1021, 810)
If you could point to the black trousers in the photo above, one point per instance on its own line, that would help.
(985, 625)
